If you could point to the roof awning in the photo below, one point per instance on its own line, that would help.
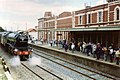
(112, 28)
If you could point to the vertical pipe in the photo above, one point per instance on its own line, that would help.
(113, 37)
(97, 38)
(107, 39)
(90, 37)
(83, 36)
(101, 37)
(118, 39)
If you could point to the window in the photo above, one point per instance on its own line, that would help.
(89, 18)
(40, 24)
(117, 14)
(80, 19)
(99, 16)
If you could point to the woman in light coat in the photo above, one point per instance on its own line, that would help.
(73, 47)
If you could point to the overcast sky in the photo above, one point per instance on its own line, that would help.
(19, 14)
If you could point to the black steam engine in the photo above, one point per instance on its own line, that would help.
(16, 43)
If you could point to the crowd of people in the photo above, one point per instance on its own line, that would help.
(97, 51)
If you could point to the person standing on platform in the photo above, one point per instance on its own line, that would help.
(117, 54)
(111, 53)
(42, 40)
(66, 47)
(105, 52)
(89, 49)
(78, 44)
(98, 51)
(93, 50)
(51, 42)
(84, 47)
(73, 47)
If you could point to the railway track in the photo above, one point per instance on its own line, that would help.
(108, 77)
(63, 65)
(44, 71)
(19, 71)
(32, 71)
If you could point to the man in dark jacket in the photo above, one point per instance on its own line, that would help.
(66, 47)
(89, 49)
(98, 51)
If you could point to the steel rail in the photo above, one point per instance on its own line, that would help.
(78, 65)
(32, 71)
(68, 67)
(50, 72)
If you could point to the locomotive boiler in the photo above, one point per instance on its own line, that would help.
(16, 43)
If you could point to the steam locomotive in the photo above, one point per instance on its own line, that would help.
(16, 43)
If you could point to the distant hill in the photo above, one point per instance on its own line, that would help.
(1, 29)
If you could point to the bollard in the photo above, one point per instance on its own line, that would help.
(6, 69)
(3, 63)
(0, 59)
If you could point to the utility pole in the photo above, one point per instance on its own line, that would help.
(17, 27)
(26, 26)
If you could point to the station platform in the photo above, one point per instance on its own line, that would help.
(78, 53)
(79, 57)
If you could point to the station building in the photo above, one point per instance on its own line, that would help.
(98, 24)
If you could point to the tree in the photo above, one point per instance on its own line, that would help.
(1, 29)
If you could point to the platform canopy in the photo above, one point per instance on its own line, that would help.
(111, 28)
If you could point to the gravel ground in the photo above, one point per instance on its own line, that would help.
(97, 76)
(73, 75)
(19, 72)
(45, 75)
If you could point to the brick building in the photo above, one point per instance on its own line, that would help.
(93, 24)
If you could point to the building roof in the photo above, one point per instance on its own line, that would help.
(102, 6)
(31, 30)
(64, 14)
